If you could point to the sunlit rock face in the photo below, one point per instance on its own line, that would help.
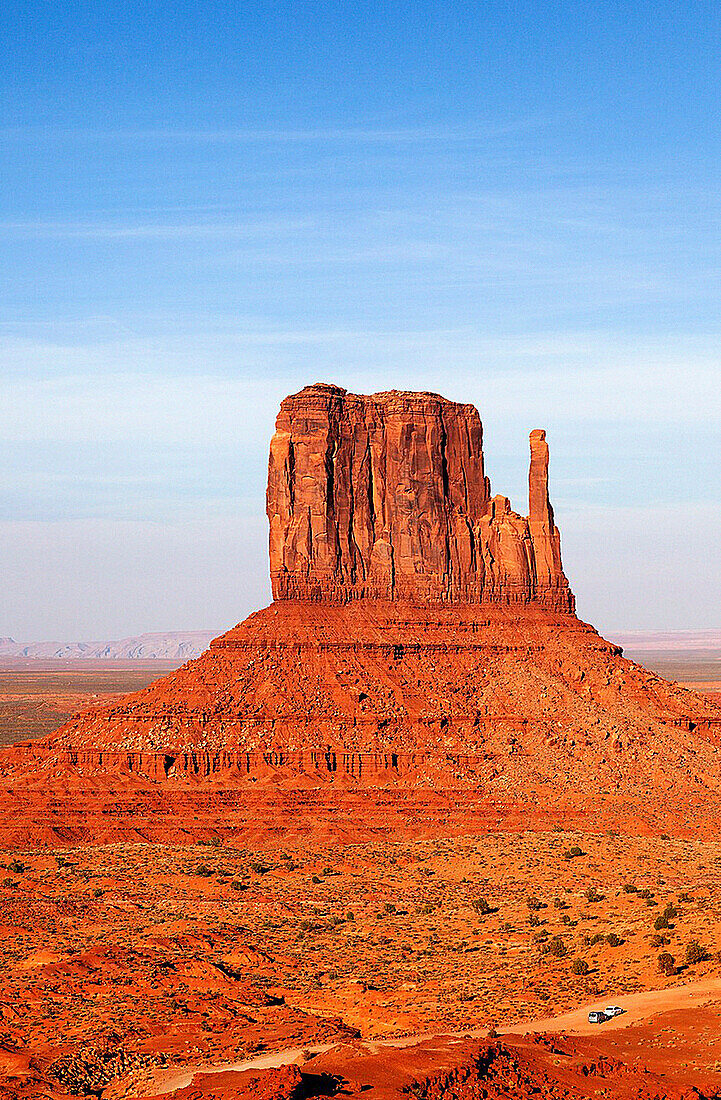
(385, 497)
(421, 633)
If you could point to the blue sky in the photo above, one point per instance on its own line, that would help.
(205, 206)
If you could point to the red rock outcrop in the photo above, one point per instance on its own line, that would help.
(385, 497)
(422, 633)
(382, 692)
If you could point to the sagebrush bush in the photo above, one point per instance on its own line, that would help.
(695, 953)
(666, 964)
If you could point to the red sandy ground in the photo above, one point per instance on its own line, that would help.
(117, 959)
(154, 914)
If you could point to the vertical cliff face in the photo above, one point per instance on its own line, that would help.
(385, 497)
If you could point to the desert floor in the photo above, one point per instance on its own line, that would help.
(127, 964)
(36, 697)
(206, 953)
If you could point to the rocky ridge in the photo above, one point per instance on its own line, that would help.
(169, 646)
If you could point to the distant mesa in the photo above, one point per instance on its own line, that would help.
(672, 641)
(386, 497)
(169, 646)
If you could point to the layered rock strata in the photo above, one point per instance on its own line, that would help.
(421, 632)
(387, 691)
(385, 497)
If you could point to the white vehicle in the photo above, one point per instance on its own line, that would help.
(596, 1017)
(613, 1010)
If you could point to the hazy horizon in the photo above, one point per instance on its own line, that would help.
(207, 209)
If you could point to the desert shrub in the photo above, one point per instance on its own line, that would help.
(16, 866)
(695, 953)
(204, 870)
(579, 967)
(534, 921)
(389, 907)
(534, 903)
(665, 836)
(630, 888)
(315, 879)
(670, 912)
(558, 903)
(659, 941)
(685, 896)
(661, 922)
(565, 919)
(97, 892)
(613, 940)
(481, 906)
(597, 937)
(350, 915)
(645, 894)
(259, 868)
(236, 884)
(557, 948)
(593, 895)
(666, 964)
(572, 853)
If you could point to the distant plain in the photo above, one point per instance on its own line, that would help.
(36, 697)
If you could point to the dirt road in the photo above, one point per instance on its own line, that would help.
(638, 1007)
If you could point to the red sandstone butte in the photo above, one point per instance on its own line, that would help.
(421, 632)
(385, 497)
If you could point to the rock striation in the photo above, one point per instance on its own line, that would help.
(422, 632)
(385, 497)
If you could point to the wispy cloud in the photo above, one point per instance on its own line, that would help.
(362, 135)
(162, 388)
(152, 231)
